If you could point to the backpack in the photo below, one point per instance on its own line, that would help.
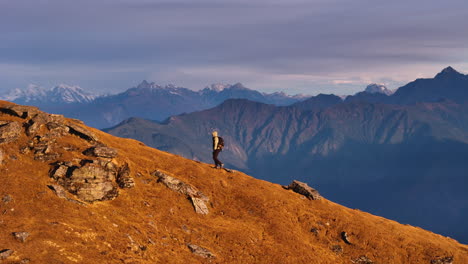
(220, 143)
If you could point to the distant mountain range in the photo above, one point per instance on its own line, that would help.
(147, 100)
(402, 156)
(60, 94)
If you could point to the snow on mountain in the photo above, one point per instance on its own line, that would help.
(61, 93)
(378, 88)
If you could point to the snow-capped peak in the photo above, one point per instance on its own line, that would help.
(218, 87)
(61, 93)
(378, 88)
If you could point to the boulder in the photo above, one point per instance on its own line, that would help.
(9, 131)
(304, 189)
(20, 110)
(5, 253)
(345, 238)
(197, 198)
(90, 181)
(81, 132)
(20, 236)
(200, 251)
(101, 151)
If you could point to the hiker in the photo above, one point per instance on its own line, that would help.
(218, 145)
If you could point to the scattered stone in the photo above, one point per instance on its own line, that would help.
(442, 260)
(200, 251)
(7, 198)
(337, 249)
(25, 261)
(123, 177)
(197, 198)
(20, 110)
(304, 189)
(81, 132)
(9, 131)
(345, 238)
(5, 253)
(58, 190)
(362, 260)
(42, 119)
(315, 231)
(101, 151)
(21, 236)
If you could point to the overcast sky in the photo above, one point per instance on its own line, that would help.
(315, 46)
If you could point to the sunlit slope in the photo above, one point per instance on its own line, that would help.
(249, 220)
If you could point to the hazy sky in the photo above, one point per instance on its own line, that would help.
(328, 46)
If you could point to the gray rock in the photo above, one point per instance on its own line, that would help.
(81, 132)
(21, 236)
(124, 179)
(58, 190)
(304, 189)
(20, 110)
(42, 119)
(92, 180)
(101, 151)
(200, 251)
(198, 199)
(9, 131)
(5, 253)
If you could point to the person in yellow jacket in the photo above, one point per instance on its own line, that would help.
(218, 144)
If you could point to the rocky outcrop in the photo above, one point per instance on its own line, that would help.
(198, 199)
(90, 181)
(101, 151)
(304, 189)
(200, 251)
(9, 131)
(20, 110)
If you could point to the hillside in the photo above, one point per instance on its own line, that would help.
(351, 151)
(84, 196)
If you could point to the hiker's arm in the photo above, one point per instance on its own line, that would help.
(215, 143)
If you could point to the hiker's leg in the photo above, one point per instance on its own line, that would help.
(215, 158)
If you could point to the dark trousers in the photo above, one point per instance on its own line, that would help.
(215, 157)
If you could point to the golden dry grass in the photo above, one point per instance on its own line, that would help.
(250, 221)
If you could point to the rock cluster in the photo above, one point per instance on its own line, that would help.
(197, 198)
(442, 260)
(94, 179)
(304, 189)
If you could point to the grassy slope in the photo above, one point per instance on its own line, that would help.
(250, 221)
